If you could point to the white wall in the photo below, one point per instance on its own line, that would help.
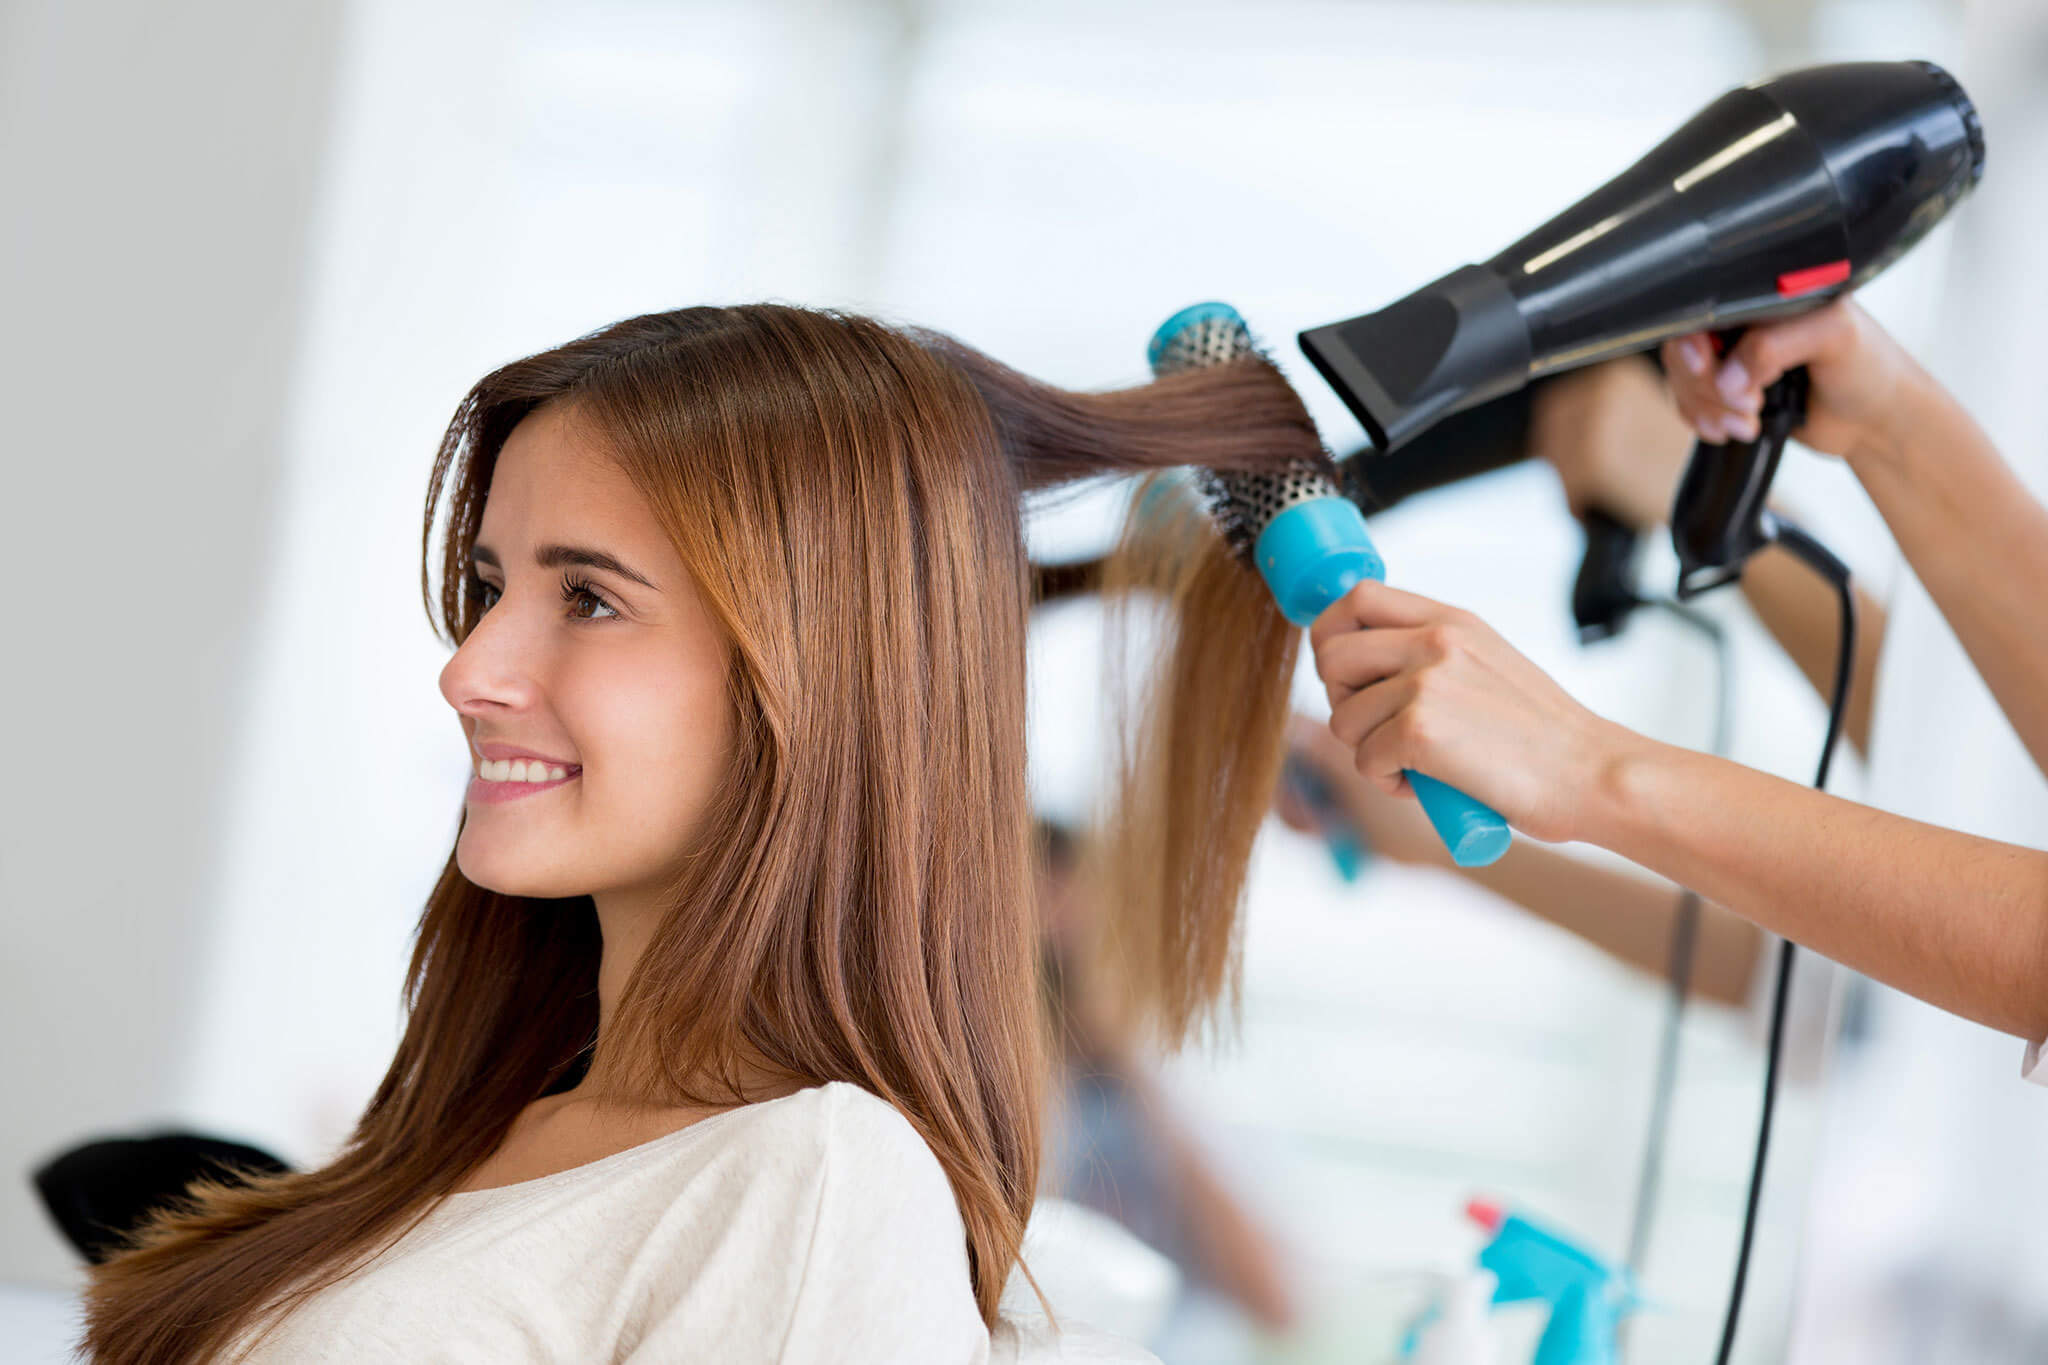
(161, 165)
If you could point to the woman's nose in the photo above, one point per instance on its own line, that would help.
(489, 672)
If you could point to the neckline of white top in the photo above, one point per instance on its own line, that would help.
(477, 1198)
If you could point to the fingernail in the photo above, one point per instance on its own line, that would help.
(1734, 379)
(1749, 400)
(1744, 427)
(1710, 430)
(1693, 355)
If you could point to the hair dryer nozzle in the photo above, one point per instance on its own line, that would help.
(1455, 343)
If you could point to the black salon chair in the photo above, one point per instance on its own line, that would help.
(101, 1191)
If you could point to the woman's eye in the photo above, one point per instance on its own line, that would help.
(576, 593)
(585, 602)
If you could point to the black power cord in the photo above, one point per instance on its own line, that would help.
(1822, 561)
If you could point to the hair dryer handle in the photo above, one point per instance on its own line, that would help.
(1717, 518)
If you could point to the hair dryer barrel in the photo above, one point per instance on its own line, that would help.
(1772, 200)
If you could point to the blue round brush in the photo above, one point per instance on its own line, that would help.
(1310, 544)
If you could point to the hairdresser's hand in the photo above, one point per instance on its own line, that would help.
(1864, 383)
(1614, 439)
(1387, 826)
(1416, 684)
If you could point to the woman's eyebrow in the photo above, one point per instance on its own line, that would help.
(563, 556)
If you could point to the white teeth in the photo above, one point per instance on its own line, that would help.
(519, 770)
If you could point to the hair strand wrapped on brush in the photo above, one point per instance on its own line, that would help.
(1199, 739)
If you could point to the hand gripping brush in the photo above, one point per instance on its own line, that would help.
(1310, 545)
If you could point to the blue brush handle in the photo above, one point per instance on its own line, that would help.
(1314, 552)
(1311, 555)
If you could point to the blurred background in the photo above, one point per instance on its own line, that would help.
(256, 251)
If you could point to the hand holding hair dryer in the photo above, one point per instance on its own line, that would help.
(1770, 201)
(1774, 199)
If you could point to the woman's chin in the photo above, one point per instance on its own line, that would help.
(509, 872)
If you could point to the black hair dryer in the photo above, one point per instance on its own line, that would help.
(1772, 200)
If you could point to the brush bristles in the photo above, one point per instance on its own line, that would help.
(1209, 340)
(1242, 505)
(1228, 512)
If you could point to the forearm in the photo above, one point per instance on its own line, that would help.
(1629, 916)
(1799, 609)
(1958, 921)
(1979, 542)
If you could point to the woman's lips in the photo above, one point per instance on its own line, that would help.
(496, 793)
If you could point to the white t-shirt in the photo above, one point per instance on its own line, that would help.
(814, 1227)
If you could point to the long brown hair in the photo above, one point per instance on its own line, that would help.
(846, 497)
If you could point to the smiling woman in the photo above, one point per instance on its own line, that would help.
(722, 1024)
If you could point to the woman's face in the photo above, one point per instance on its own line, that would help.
(594, 667)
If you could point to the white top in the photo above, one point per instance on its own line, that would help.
(814, 1227)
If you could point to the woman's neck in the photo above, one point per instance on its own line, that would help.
(626, 923)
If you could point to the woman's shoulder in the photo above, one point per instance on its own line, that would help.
(836, 1111)
(824, 1167)
(874, 1200)
(838, 1124)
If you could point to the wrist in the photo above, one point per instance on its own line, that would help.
(1621, 793)
(1910, 427)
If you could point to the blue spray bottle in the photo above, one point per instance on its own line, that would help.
(1310, 544)
(1587, 1297)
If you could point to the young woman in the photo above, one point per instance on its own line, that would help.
(722, 1038)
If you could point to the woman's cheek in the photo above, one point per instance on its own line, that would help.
(660, 731)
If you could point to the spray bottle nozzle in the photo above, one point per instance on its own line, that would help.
(1587, 1297)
